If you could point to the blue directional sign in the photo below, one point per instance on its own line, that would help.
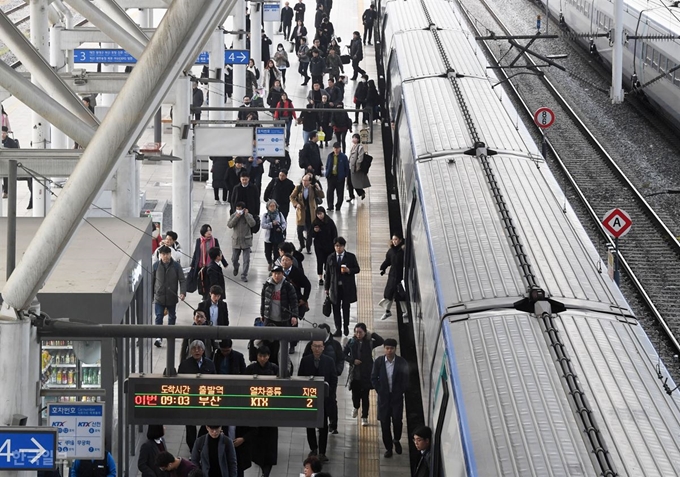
(118, 56)
(270, 142)
(81, 429)
(27, 448)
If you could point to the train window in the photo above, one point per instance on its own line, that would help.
(649, 52)
(663, 64)
(655, 59)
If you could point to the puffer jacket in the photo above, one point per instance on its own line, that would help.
(242, 237)
(289, 301)
(165, 281)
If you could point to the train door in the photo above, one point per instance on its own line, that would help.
(440, 405)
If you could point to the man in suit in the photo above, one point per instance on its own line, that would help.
(422, 438)
(340, 284)
(286, 20)
(318, 364)
(390, 380)
(197, 363)
(215, 308)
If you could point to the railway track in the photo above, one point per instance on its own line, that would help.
(650, 254)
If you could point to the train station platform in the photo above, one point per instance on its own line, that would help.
(356, 450)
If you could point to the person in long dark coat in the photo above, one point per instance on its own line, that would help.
(219, 176)
(233, 176)
(324, 232)
(390, 391)
(265, 453)
(341, 266)
(359, 354)
(154, 445)
(394, 260)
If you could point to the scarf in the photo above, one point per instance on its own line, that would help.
(206, 245)
(273, 215)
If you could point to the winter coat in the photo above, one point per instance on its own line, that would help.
(269, 76)
(299, 12)
(356, 50)
(215, 275)
(297, 198)
(287, 15)
(343, 166)
(281, 59)
(317, 66)
(333, 349)
(334, 93)
(222, 311)
(308, 119)
(274, 97)
(166, 279)
(237, 363)
(196, 257)
(326, 369)
(394, 258)
(364, 353)
(242, 236)
(266, 441)
(359, 178)
(267, 225)
(210, 345)
(310, 156)
(289, 301)
(232, 179)
(175, 253)
(219, 171)
(333, 276)
(303, 51)
(282, 114)
(280, 191)
(323, 239)
(277, 164)
(248, 195)
(266, 55)
(190, 366)
(341, 121)
(226, 455)
(369, 17)
(146, 463)
(361, 93)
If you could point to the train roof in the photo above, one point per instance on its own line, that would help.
(523, 421)
(418, 56)
(462, 220)
(406, 16)
(657, 12)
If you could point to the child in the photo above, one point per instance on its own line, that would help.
(242, 238)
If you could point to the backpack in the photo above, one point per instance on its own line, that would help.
(301, 159)
(203, 282)
(255, 228)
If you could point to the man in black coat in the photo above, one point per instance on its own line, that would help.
(332, 349)
(197, 363)
(248, 194)
(318, 364)
(356, 53)
(368, 18)
(215, 308)
(340, 284)
(286, 20)
(300, 8)
(196, 99)
(303, 288)
(215, 274)
(227, 360)
(310, 156)
(280, 189)
(390, 380)
(422, 437)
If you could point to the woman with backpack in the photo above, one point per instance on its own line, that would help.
(287, 116)
(358, 179)
(274, 226)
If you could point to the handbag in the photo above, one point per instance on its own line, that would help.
(288, 62)
(327, 306)
(366, 163)
(192, 281)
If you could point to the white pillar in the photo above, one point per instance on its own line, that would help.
(239, 72)
(181, 170)
(256, 35)
(41, 129)
(617, 54)
(58, 61)
(124, 203)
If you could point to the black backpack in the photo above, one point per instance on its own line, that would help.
(366, 163)
(256, 228)
(301, 159)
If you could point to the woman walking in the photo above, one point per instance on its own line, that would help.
(204, 243)
(359, 354)
(303, 199)
(274, 226)
(358, 179)
(281, 60)
(394, 260)
(324, 233)
(287, 116)
(270, 75)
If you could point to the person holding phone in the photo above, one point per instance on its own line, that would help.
(340, 284)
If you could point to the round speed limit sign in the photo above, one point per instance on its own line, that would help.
(544, 117)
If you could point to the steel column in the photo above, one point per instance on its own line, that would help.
(116, 32)
(181, 170)
(41, 129)
(215, 90)
(58, 62)
(256, 35)
(120, 17)
(185, 24)
(11, 218)
(124, 200)
(239, 72)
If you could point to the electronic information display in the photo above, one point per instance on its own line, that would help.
(232, 400)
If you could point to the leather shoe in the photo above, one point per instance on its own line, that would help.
(345, 330)
(337, 334)
(388, 453)
(397, 447)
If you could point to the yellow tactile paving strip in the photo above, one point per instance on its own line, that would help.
(369, 436)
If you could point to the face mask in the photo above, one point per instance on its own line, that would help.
(247, 103)
(280, 48)
(239, 211)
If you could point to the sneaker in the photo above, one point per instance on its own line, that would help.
(386, 315)
(332, 431)
(323, 458)
(320, 281)
(217, 202)
(355, 413)
(235, 272)
(244, 279)
(364, 421)
(157, 343)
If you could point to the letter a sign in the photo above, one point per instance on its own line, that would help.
(617, 223)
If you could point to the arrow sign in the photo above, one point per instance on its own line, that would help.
(617, 222)
(28, 448)
(544, 117)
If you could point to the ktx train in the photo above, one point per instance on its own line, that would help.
(649, 66)
(531, 361)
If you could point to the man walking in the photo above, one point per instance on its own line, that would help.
(318, 364)
(197, 363)
(356, 53)
(340, 284)
(196, 99)
(286, 20)
(337, 169)
(390, 380)
(279, 304)
(168, 276)
(242, 238)
(368, 18)
(214, 453)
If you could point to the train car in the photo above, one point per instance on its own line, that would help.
(644, 60)
(531, 361)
